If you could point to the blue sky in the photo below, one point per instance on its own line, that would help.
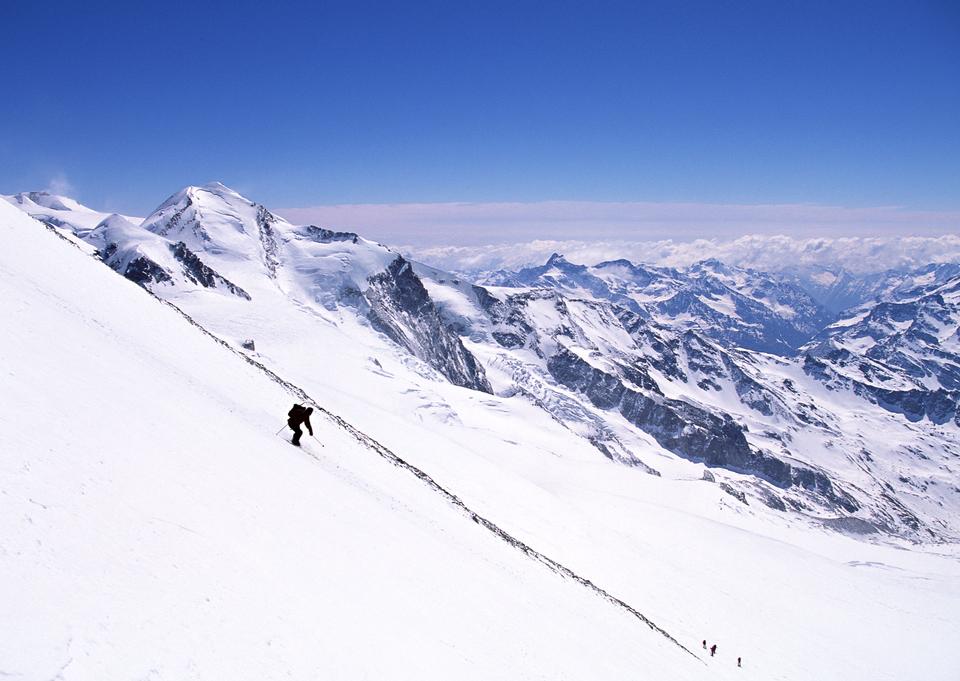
(853, 104)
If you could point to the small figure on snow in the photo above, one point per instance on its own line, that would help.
(704, 644)
(713, 650)
(299, 415)
(738, 662)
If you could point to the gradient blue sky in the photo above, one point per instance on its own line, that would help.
(849, 104)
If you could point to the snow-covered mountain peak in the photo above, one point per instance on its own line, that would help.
(712, 266)
(209, 194)
(115, 220)
(219, 188)
(217, 220)
(58, 211)
(556, 266)
(112, 229)
(44, 199)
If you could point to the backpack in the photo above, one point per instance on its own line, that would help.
(297, 411)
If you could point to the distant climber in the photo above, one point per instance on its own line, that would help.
(738, 662)
(713, 650)
(704, 644)
(299, 415)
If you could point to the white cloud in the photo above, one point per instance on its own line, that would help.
(765, 252)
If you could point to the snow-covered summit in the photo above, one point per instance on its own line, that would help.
(211, 240)
(215, 219)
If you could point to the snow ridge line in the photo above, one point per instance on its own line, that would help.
(387, 454)
(501, 534)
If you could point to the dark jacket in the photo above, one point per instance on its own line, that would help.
(300, 415)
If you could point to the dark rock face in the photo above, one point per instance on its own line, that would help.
(268, 240)
(401, 308)
(326, 236)
(690, 431)
(199, 273)
(940, 406)
(735, 493)
(173, 223)
(510, 329)
(144, 271)
(750, 392)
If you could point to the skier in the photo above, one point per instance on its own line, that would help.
(299, 415)
(713, 650)
(738, 662)
(704, 644)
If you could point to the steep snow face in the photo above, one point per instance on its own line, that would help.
(733, 305)
(160, 530)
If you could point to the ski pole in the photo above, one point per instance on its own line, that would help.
(317, 439)
(281, 430)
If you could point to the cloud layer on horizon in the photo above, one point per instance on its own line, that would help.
(474, 224)
(860, 255)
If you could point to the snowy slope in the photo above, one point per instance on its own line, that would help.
(154, 527)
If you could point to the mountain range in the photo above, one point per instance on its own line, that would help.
(823, 412)
(848, 417)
